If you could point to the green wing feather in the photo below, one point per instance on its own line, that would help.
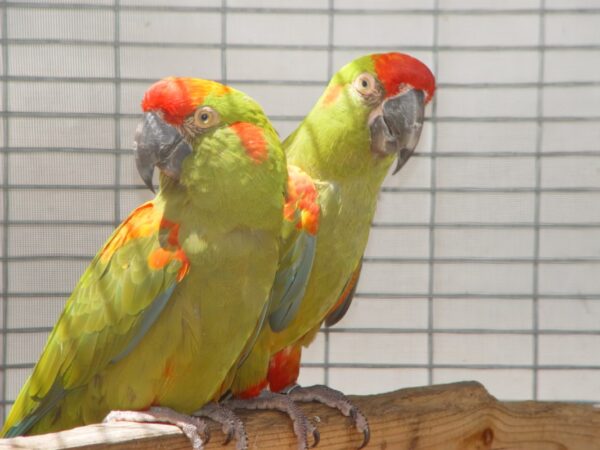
(115, 302)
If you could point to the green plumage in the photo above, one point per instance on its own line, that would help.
(332, 145)
(168, 306)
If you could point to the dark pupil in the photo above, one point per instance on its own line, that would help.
(365, 83)
(204, 117)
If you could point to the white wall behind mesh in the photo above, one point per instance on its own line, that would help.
(484, 255)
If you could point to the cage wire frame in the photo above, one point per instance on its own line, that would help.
(332, 10)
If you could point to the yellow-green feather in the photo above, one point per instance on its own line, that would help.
(229, 209)
(332, 145)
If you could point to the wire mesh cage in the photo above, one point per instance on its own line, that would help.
(484, 254)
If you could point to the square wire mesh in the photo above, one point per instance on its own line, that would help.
(484, 254)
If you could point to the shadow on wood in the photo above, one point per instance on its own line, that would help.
(453, 416)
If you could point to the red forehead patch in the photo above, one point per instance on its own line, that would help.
(177, 98)
(171, 96)
(397, 69)
(253, 140)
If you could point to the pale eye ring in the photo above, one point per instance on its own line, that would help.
(365, 84)
(206, 117)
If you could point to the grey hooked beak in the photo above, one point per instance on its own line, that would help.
(397, 128)
(157, 143)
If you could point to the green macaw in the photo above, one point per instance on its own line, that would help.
(371, 112)
(175, 298)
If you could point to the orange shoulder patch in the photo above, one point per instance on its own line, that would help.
(170, 249)
(253, 140)
(302, 196)
(145, 221)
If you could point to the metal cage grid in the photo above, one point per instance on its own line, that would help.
(484, 252)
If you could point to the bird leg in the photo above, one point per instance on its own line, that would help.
(231, 424)
(333, 399)
(192, 427)
(278, 402)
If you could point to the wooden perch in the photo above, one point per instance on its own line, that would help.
(461, 416)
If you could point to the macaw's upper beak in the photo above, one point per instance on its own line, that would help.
(157, 143)
(397, 125)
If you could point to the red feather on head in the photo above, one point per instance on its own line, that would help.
(177, 98)
(397, 69)
(171, 97)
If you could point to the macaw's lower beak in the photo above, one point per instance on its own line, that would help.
(158, 144)
(397, 125)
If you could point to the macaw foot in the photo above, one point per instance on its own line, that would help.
(192, 427)
(278, 402)
(231, 424)
(333, 399)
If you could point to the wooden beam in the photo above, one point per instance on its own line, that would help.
(445, 417)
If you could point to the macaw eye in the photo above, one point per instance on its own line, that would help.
(365, 84)
(206, 117)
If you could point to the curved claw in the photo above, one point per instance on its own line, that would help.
(366, 438)
(231, 425)
(301, 425)
(333, 399)
(228, 436)
(206, 435)
(316, 438)
(361, 424)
